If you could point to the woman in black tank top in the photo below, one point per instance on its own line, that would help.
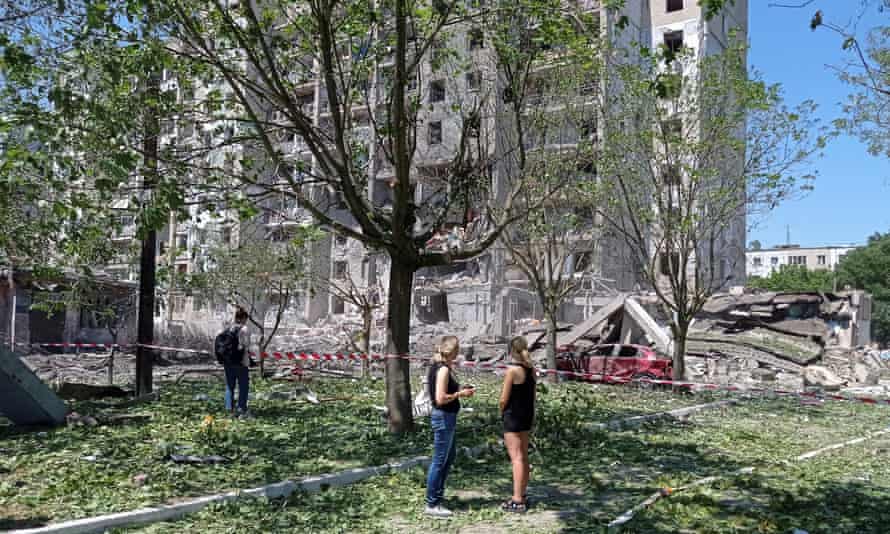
(518, 412)
(445, 394)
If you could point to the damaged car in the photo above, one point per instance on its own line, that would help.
(608, 362)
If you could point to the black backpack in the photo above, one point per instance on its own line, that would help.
(225, 347)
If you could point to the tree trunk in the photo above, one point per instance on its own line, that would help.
(147, 266)
(398, 377)
(552, 377)
(145, 321)
(679, 356)
(367, 318)
(261, 346)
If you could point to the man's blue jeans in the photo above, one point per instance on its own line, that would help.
(239, 374)
(444, 425)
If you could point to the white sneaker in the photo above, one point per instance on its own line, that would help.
(438, 511)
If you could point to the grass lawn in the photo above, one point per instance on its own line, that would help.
(583, 479)
(77, 471)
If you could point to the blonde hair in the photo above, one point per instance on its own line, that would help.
(519, 351)
(447, 349)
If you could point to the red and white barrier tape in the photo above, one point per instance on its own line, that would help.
(78, 345)
(485, 366)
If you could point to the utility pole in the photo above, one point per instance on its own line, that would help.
(148, 256)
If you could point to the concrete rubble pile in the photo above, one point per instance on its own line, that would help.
(787, 336)
(792, 339)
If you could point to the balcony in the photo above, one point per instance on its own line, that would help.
(293, 216)
(126, 233)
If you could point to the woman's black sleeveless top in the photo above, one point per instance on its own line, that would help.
(520, 411)
(453, 387)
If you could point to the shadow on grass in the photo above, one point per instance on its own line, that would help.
(829, 507)
(15, 524)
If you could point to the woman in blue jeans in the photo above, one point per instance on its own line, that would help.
(445, 394)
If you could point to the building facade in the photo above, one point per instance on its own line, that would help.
(766, 261)
(485, 289)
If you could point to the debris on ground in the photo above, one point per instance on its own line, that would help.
(192, 459)
(817, 375)
(82, 392)
(75, 419)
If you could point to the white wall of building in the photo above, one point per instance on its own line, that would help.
(764, 262)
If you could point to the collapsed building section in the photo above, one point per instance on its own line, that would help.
(785, 330)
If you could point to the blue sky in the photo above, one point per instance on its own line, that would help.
(850, 200)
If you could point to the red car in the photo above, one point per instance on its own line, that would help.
(615, 361)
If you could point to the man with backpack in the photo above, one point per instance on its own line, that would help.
(230, 348)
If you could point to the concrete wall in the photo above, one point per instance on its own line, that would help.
(470, 304)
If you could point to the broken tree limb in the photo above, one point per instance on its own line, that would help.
(679, 413)
(666, 492)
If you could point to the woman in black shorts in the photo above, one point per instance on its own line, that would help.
(518, 412)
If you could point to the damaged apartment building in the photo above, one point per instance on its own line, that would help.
(486, 290)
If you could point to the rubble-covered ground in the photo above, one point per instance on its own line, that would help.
(582, 479)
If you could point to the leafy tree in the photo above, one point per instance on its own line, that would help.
(867, 110)
(556, 139)
(755, 245)
(687, 156)
(867, 268)
(365, 296)
(375, 86)
(795, 278)
(258, 275)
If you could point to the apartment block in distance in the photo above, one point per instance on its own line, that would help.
(766, 261)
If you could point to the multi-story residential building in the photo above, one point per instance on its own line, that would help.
(486, 289)
(766, 261)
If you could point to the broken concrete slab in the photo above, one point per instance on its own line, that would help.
(866, 375)
(763, 374)
(24, 399)
(649, 326)
(594, 321)
(816, 375)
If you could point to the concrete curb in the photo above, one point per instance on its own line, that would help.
(312, 484)
(637, 420)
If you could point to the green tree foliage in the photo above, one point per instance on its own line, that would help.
(795, 278)
(867, 72)
(556, 140)
(868, 268)
(258, 275)
(681, 170)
